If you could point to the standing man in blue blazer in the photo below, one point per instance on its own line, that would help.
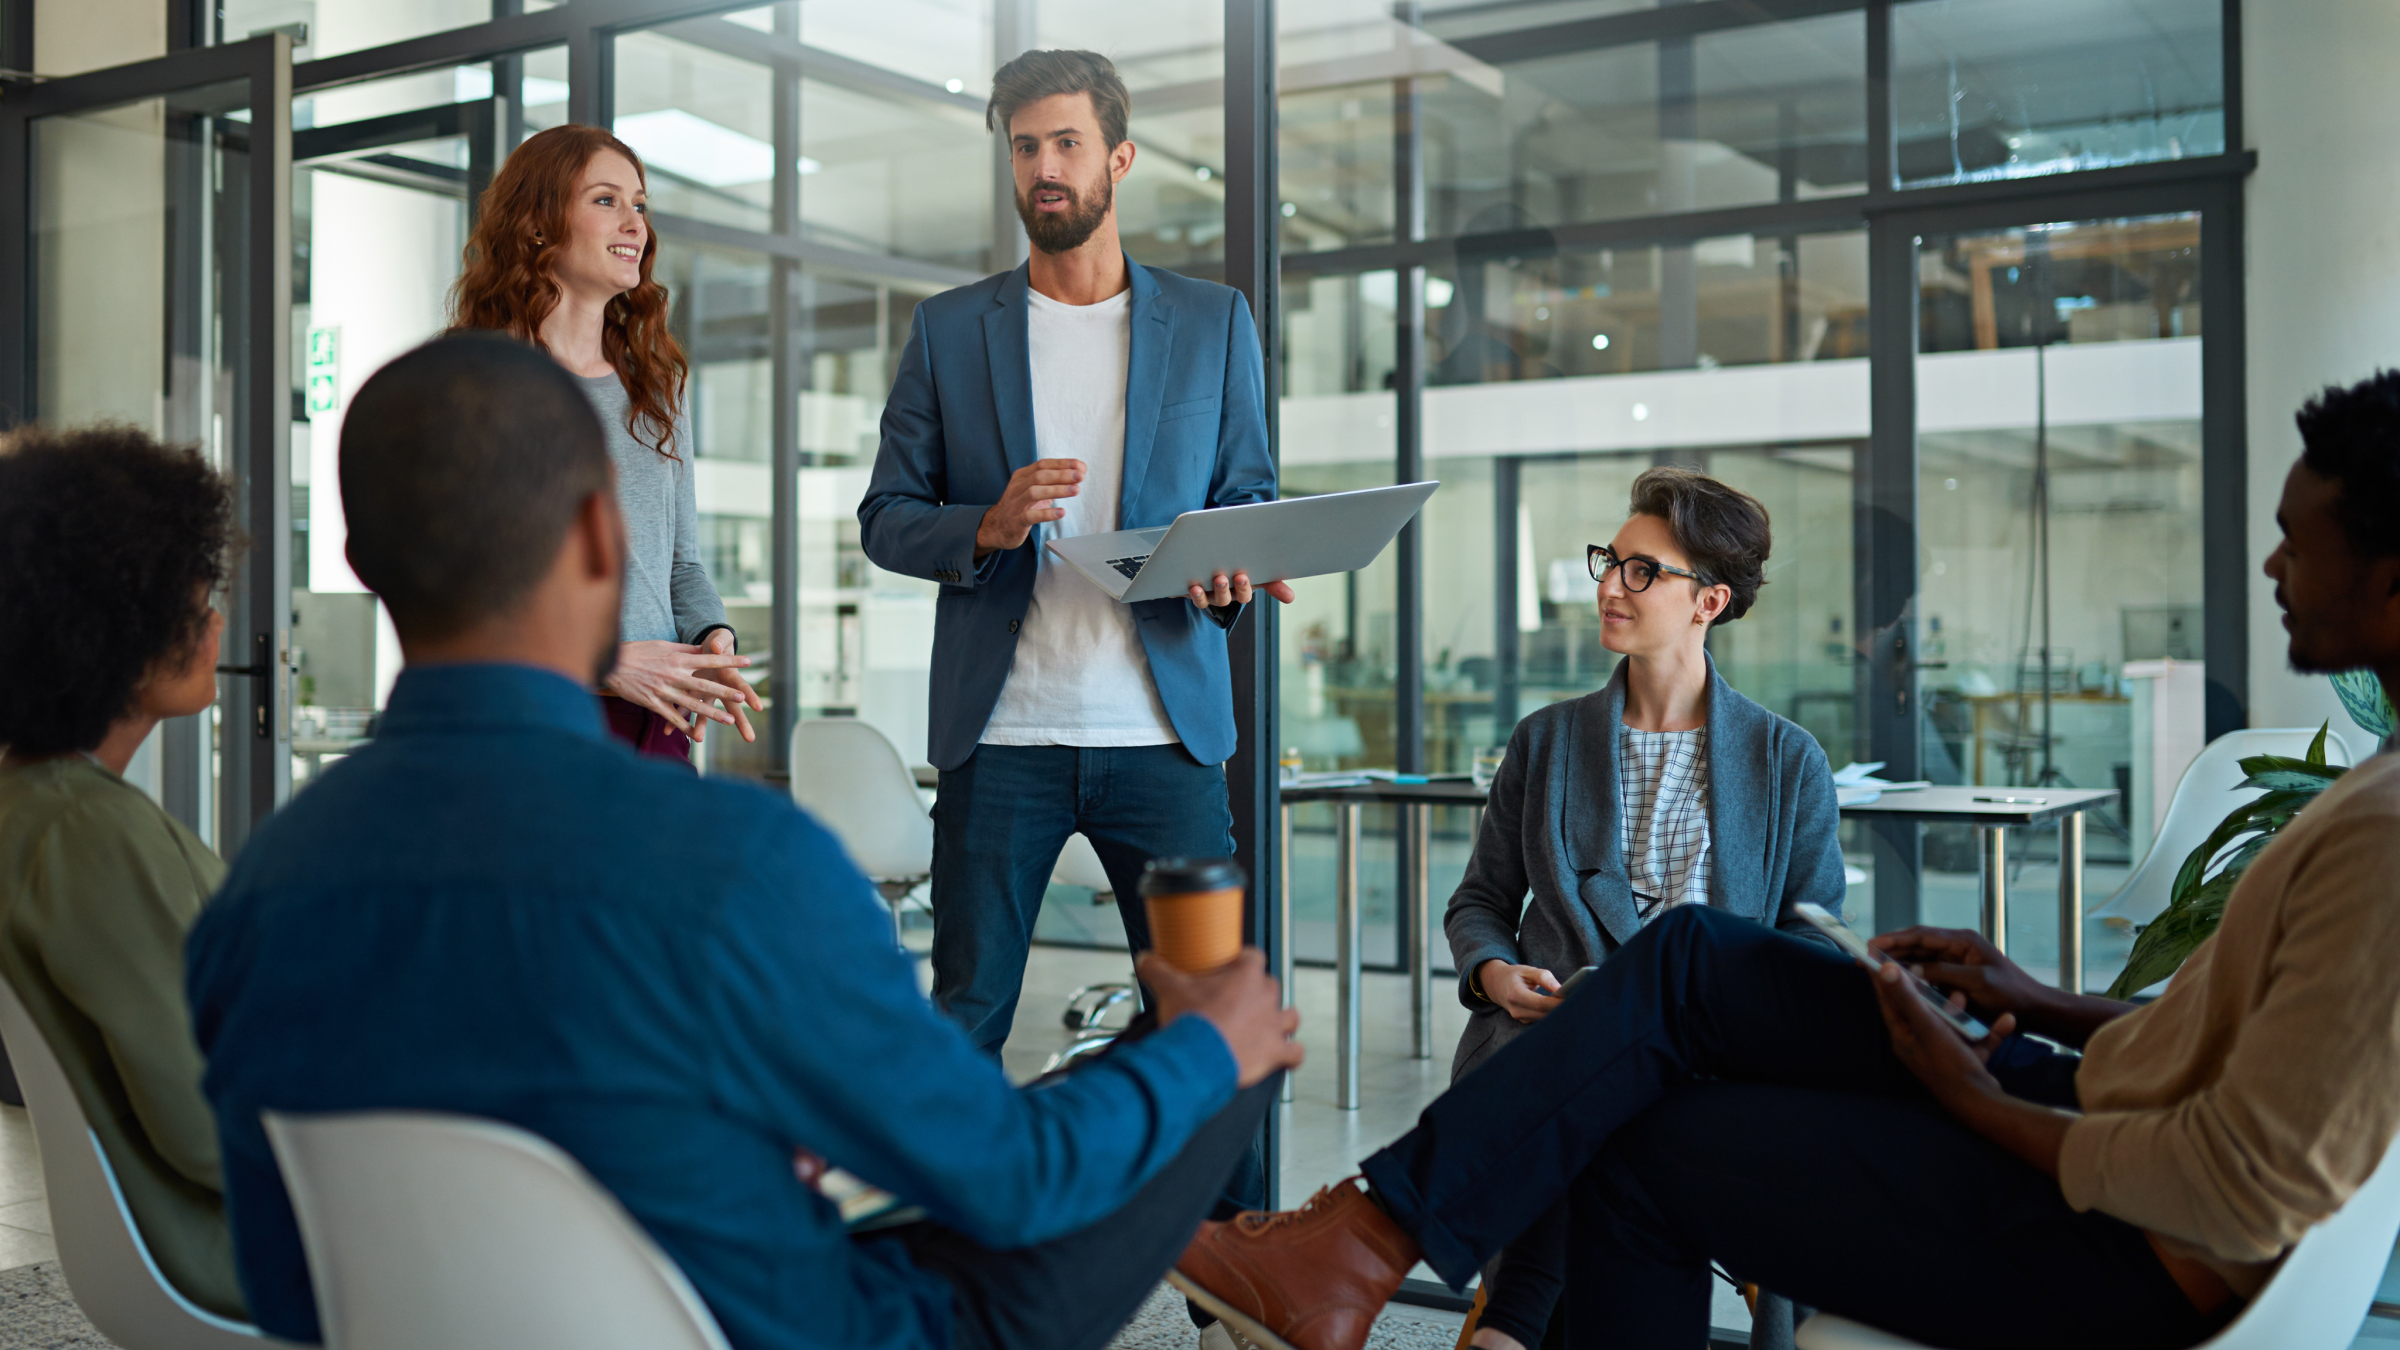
(1078, 394)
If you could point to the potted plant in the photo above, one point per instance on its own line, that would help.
(2207, 878)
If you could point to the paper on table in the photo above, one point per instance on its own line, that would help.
(1855, 784)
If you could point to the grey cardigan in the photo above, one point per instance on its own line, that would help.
(1551, 829)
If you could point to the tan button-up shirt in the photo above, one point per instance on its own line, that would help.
(2253, 1098)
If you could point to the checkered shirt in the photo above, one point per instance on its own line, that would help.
(1662, 816)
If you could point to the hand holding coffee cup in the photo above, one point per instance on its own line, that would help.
(1241, 1000)
(1195, 910)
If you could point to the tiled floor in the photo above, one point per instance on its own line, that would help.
(24, 1214)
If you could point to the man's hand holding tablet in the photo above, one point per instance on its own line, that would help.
(1847, 938)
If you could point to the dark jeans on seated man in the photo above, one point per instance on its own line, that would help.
(1719, 1090)
(1077, 1292)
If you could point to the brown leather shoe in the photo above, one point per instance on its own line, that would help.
(1311, 1278)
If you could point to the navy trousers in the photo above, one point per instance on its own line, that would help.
(999, 821)
(1720, 1091)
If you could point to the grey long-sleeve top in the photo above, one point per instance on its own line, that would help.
(668, 596)
(1551, 829)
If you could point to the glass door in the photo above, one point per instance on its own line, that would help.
(380, 210)
(2060, 593)
(153, 255)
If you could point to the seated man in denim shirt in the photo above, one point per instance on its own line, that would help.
(496, 910)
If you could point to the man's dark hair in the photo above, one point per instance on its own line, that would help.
(1035, 76)
(1722, 530)
(2352, 436)
(108, 543)
(463, 464)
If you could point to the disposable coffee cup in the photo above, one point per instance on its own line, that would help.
(1195, 908)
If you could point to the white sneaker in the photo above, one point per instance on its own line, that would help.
(1218, 1336)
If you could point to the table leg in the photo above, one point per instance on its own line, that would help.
(2070, 902)
(1283, 922)
(1420, 927)
(1993, 841)
(1345, 957)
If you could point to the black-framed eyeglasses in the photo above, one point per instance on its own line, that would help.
(1639, 571)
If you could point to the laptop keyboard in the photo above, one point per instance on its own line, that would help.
(1129, 566)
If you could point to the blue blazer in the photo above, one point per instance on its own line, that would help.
(960, 421)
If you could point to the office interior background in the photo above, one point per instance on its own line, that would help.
(2001, 306)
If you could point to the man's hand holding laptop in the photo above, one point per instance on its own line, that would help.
(1236, 590)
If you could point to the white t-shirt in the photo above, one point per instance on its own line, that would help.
(1080, 676)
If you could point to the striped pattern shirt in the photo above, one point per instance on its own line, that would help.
(1662, 817)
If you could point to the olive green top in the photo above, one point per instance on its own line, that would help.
(97, 888)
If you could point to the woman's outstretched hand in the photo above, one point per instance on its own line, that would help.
(738, 694)
(1526, 993)
(681, 682)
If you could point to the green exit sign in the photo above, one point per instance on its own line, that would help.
(324, 370)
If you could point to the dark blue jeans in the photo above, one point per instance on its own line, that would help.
(1718, 1090)
(999, 821)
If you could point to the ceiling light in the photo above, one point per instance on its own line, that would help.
(1290, 210)
(696, 148)
(1202, 173)
(1599, 342)
(1641, 412)
(955, 86)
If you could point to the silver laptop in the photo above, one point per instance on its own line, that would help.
(1272, 541)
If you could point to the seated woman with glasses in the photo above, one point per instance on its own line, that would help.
(110, 545)
(1663, 788)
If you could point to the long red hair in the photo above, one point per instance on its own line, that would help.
(508, 284)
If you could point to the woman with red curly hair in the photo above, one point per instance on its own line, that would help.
(561, 258)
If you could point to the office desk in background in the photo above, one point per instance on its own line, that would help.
(1993, 811)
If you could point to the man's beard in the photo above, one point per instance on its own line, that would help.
(1068, 230)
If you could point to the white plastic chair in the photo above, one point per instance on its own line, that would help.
(428, 1230)
(108, 1266)
(2315, 1302)
(2204, 796)
(850, 776)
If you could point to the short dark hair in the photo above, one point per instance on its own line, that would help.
(463, 464)
(108, 540)
(2352, 436)
(1723, 530)
(1035, 76)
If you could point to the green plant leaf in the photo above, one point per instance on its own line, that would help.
(2165, 943)
(2316, 748)
(2363, 697)
(2268, 813)
(2264, 763)
(2307, 779)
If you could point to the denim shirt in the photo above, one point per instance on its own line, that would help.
(496, 910)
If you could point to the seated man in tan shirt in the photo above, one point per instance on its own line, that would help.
(1719, 1091)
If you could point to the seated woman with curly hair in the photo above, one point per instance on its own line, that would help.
(110, 545)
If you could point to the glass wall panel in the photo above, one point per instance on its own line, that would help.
(719, 313)
(2059, 505)
(1773, 112)
(332, 27)
(379, 232)
(884, 173)
(138, 233)
(702, 121)
(866, 635)
(1739, 300)
(1990, 91)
